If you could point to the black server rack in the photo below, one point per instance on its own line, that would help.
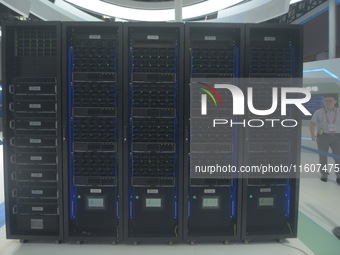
(92, 123)
(153, 132)
(32, 130)
(212, 208)
(270, 202)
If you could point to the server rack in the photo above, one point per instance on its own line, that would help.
(93, 131)
(153, 132)
(214, 54)
(32, 130)
(270, 203)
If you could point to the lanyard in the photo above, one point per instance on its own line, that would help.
(334, 116)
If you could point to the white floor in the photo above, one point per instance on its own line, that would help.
(12, 247)
(319, 201)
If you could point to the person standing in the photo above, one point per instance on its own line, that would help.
(327, 122)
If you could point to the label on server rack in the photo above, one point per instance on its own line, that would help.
(35, 140)
(94, 36)
(210, 38)
(209, 191)
(36, 157)
(152, 191)
(37, 192)
(36, 175)
(37, 209)
(265, 190)
(34, 88)
(34, 106)
(96, 191)
(153, 37)
(35, 123)
(270, 38)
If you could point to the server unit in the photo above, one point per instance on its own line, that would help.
(32, 130)
(153, 128)
(270, 203)
(93, 131)
(212, 204)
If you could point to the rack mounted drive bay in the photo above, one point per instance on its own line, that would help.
(32, 130)
(93, 131)
(153, 119)
(273, 58)
(109, 129)
(211, 204)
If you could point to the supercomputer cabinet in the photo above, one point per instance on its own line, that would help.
(153, 132)
(32, 130)
(273, 58)
(92, 124)
(212, 206)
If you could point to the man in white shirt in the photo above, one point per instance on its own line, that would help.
(327, 122)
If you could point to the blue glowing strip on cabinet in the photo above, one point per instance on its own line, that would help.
(237, 71)
(129, 132)
(117, 207)
(189, 194)
(176, 128)
(70, 130)
(287, 200)
(235, 145)
(116, 173)
(116, 122)
(189, 211)
(291, 134)
(130, 207)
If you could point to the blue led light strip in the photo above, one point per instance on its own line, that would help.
(70, 131)
(176, 123)
(2, 214)
(321, 152)
(129, 132)
(287, 200)
(235, 143)
(322, 70)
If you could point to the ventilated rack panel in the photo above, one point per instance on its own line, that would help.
(94, 164)
(154, 100)
(93, 90)
(153, 164)
(35, 42)
(213, 60)
(274, 61)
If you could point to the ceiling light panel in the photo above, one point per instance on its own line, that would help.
(191, 11)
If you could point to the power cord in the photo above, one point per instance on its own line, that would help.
(305, 253)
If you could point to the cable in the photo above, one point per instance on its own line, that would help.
(290, 228)
(176, 228)
(295, 248)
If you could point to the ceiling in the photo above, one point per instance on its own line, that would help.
(241, 11)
